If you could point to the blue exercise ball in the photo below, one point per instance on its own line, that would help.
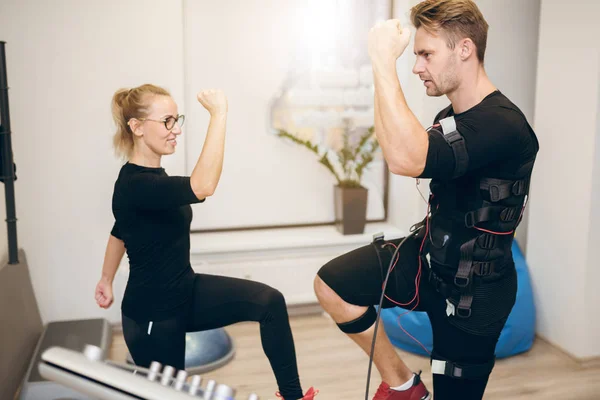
(516, 337)
(205, 350)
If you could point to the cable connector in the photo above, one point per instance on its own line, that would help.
(378, 237)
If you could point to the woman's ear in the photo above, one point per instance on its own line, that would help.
(136, 126)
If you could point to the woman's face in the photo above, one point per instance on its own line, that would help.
(159, 130)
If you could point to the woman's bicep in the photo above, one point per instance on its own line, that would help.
(160, 192)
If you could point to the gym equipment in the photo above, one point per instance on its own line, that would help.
(86, 373)
(205, 351)
(72, 335)
(516, 337)
(23, 335)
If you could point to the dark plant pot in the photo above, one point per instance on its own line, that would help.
(350, 209)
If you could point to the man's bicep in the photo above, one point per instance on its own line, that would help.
(454, 154)
(440, 162)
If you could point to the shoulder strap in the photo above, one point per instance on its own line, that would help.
(457, 142)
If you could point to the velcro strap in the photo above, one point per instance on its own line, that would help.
(462, 371)
(500, 189)
(504, 214)
(462, 279)
(463, 310)
(457, 142)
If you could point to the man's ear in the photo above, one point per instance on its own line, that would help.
(466, 48)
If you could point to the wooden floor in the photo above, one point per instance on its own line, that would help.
(332, 363)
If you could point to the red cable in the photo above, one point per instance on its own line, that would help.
(417, 283)
(418, 276)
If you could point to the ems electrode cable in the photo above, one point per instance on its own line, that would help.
(414, 230)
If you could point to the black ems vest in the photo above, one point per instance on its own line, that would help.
(482, 226)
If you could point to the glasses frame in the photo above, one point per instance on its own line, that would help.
(180, 119)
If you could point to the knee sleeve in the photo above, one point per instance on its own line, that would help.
(361, 323)
(442, 366)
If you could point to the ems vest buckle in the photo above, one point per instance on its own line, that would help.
(494, 191)
(483, 268)
(487, 241)
(462, 282)
(463, 310)
(470, 219)
(453, 137)
(508, 214)
(519, 188)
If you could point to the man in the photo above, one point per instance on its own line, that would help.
(457, 266)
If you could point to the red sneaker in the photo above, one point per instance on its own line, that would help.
(310, 394)
(418, 391)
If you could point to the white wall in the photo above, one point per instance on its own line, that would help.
(563, 236)
(511, 62)
(65, 60)
(592, 294)
(250, 49)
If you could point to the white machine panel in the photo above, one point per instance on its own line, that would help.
(88, 374)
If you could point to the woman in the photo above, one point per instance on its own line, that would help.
(164, 298)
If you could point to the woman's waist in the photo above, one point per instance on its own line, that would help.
(159, 278)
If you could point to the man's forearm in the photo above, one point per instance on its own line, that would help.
(402, 138)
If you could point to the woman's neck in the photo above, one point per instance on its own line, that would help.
(145, 158)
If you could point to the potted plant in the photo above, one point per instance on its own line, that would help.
(347, 166)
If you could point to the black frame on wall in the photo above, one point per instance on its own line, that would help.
(386, 185)
(7, 167)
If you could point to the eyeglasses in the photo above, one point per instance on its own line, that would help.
(169, 121)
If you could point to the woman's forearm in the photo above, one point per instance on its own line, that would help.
(207, 172)
(115, 249)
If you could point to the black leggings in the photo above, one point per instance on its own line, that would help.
(217, 302)
(357, 277)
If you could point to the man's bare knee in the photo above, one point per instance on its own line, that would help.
(325, 294)
(334, 305)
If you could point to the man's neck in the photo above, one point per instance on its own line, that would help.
(471, 92)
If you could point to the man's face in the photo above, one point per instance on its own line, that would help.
(437, 65)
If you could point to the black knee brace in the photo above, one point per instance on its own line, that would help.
(361, 323)
(452, 369)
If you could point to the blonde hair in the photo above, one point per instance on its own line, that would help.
(127, 104)
(458, 19)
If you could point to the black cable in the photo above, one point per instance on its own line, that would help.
(415, 229)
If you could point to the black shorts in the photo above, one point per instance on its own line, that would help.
(357, 277)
